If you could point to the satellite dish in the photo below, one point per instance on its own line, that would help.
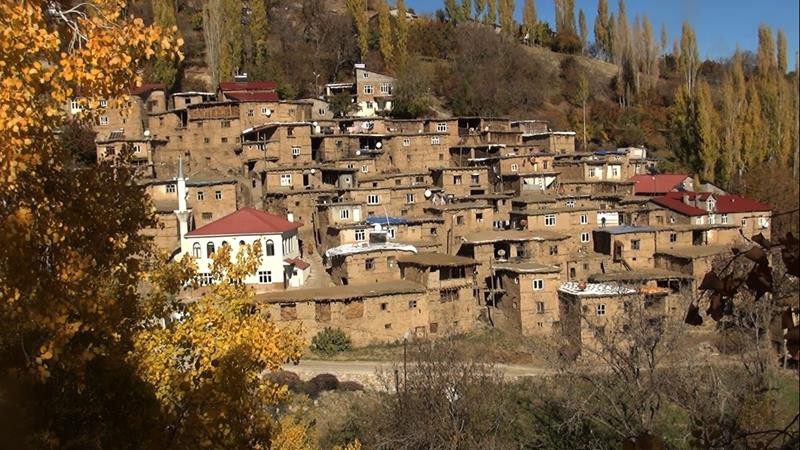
(428, 193)
(379, 144)
(313, 170)
(268, 112)
(523, 222)
(146, 133)
(314, 123)
(377, 227)
(501, 253)
(358, 152)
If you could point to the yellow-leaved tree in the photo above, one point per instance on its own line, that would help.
(206, 357)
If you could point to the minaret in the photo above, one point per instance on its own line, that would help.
(182, 212)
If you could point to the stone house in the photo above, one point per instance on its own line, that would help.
(528, 300)
(461, 181)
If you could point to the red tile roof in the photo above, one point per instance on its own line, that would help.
(738, 204)
(253, 96)
(297, 262)
(147, 88)
(248, 86)
(676, 204)
(656, 184)
(246, 221)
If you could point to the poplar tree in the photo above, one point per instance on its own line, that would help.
(165, 66)
(570, 16)
(565, 16)
(259, 32)
(583, 30)
(753, 142)
(601, 35)
(689, 57)
(506, 10)
(529, 19)
(385, 33)
(230, 49)
(402, 34)
(480, 5)
(783, 61)
(358, 11)
(453, 11)
(466, 9)
(212, 28)
(664, 37)
(734, 92)
(707, 136)
(491, 12)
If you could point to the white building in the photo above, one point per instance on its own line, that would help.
(280, 266)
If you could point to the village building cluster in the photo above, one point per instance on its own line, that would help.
(389, 228)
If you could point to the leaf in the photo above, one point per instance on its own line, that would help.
(717, 307)
(757, 255)
(787, 320)
(762, 241)
(693, 316)
(759, 280)
(711, 282)
(793, 341)
(644, 441)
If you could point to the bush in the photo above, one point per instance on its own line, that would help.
(321, 382)
(330, 341)
(566, 42)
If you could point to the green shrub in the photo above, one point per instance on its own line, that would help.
(330, 341)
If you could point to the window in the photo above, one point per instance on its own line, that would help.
(344, 213)
(365, 168)
(514, 167)
(441, 127)
(366, 74)
(295, 151)
(250, 113)
(419, 180)
(270, 248)
(264, 276)
(361, 235)
(368, 89)
(369, 264)
(545, 164)
(434, 140)
(286, 179)
(110, 151)
(539, 307)
(614, 171)
(170, 188)
(591, 172)
(584, 219)
(196, 250)
(386, 88)
(265, 110)
(744, 223)
(478, 217)
(206, 140)
(570, 203)
(584, 237)
(550, 220)
(207, 216)
(391, 261)
(456, 179)
(434, 231)
(459, 220)
(391, 232)
(636, 244)
(205, 278)
(673, 237)
(384, 306)
(409, 198)
(200, 195)
(187, 101)
(412, 304)
(103, 120)
(225, 124)
(724, 218)
(373, 199)
(224, 140)
(406, 142)
(475, 179)
(218, 195)
(600, 309)
(74, 105)
(209, 249)
(538, 285)
(553, 250)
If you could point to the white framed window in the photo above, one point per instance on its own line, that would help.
(406, 142)
(74, 105)
(539, 307)
(591, 172)
(514, 167)
(710, 204)
(570, 203)
(584, 219)
(264, 110)
(763, 222)
(386, 88)
(264, 276)
(365, 168)
(368, 89)
(373, 199)
(361, 235)
(441, 127)
(614, 171)
(723, 218)
(218, 195)
(409, 198)
(250, 113)
(550, 220)
(456, 179)
(600, 309)
(584, 237)
(200, 195)
(103, 120)
(673, 237)
(103, 103)
(170, 188)
(434, 140)
(366, 74)
(196, 250)
(744, 223)
(344, 213)
(286, 179)
(295, 151)
(391, 232)
(538, 285)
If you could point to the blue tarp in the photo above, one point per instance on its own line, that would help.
(383, 220)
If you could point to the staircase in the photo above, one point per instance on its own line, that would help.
(319, 277)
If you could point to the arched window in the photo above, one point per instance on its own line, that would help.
(242, 244)
(209, 249)
(270, 248)
(196, 250)
(224, 243)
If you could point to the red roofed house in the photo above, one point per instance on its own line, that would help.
(280, 267)
(249, 91)
(661, 184)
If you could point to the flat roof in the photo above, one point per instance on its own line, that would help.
(695, 251)
(437, 260)
(490, 236)
(367, 247)
(639, 275)
(625, 229)
(335, 293)
(526, 267)
(595, 289)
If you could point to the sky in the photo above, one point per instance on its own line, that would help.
(719, 24)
